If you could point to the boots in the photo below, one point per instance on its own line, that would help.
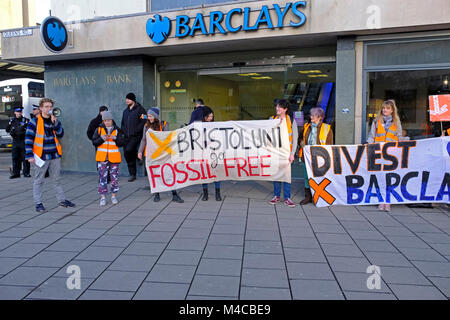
(205, 195)
(308, 197)
(218, 197)
(157, 197)
(176, 198)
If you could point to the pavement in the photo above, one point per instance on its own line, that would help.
(241, 248)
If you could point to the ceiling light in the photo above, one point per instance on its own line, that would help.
(262, 78)
(248, 74)
(2, 64)
(309, 71)
(317, 76)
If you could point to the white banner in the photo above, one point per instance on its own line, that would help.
(391, 172)
(206, 152)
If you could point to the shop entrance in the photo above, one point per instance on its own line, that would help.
(249, 93)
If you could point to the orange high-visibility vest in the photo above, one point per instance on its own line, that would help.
(383, 136)
(38, 145)
(324, 130)
(448, 131)
(162, 126)
(108, 150)
(289, 126)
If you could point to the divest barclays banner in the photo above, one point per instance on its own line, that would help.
(206, 152)
(392, 172)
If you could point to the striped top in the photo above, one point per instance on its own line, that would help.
(50, 151)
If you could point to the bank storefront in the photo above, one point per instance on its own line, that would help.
(342, 56)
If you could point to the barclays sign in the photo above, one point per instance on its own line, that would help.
(159, 28)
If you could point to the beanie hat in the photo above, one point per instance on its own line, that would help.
(131, 96)
(154, 112)
(107, 115)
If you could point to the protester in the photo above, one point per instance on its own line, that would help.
(197, 114)
(34, 115)
(314, 133)
(132, 125)
(404, 136)
(386, 127)
(96, 122)
(208, 116)
(107, 139)
(41, 141)
(17, 127)
(283, 111)
(154, 123)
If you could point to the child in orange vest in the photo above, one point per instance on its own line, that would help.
(108, 138)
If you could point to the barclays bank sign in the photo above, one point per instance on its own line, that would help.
(159, 28)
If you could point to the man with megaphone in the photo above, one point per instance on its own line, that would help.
(44, 151)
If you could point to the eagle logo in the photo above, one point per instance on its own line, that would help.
(158, 29)
(56, 34)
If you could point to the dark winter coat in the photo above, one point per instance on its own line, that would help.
(93, 125)
(17, 128)
(133, 126)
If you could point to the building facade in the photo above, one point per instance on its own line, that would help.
(344, 56)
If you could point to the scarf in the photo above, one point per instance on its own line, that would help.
(387, 122)
(312, 139)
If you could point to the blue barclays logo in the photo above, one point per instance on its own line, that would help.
(159, 29)
(54, 34)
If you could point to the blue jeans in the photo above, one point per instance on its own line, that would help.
(217, 184)
(286, 189)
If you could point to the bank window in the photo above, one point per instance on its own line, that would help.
(408, 53)
(411, 91)
(36, 90)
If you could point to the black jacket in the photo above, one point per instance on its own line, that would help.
(197, 115)
(133, 126)
(97, 140)
(93, 125)
(17, 128)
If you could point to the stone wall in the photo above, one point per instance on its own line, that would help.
(80, 87)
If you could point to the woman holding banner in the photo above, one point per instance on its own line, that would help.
(386, 127)
(208, 116)
(315, 133)
(283, 108)
(154, 123)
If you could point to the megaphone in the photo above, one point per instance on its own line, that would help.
(55, 112)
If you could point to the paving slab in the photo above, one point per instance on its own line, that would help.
(316, 290)
(119, 281)
(161, 291)
(215, 286)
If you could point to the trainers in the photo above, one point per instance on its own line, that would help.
(67, 203)
(156, 198)
(275, 200)
(114, 200)
(40, 208)
(103, 201)
(289, 203)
